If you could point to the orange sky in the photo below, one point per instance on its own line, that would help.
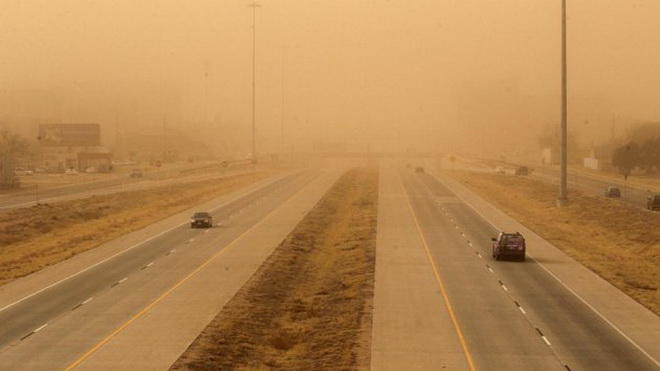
(388, 73)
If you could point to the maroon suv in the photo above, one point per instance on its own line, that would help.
(509, 245)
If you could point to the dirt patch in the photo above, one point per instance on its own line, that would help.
(619, 242)
(36, 237)
(308, 307)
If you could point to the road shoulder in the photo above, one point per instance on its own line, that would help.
(412, 329)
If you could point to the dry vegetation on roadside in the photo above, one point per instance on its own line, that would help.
(308, 307)
(618, 241)
(36, 237)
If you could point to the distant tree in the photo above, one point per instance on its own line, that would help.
(626, 158)
(641, 132)
(11, 146)
(650, 155)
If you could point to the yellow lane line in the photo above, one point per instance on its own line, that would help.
(146, 309)
(461, 338)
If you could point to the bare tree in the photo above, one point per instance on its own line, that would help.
(11, 147)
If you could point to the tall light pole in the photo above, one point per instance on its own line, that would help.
(563, 155)
(282, 64)
(254, 7)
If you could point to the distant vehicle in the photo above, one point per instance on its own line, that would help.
(509, 245)
(522, 171)
(653, 203)
(21, 171)
(500, 170)
(71, 171)
(201, 219)
(419, 169)
(136, 173)
(224, 164)
(613, 192)
(91, 170)
(40, 170)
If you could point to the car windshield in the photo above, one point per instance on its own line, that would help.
(515, 240)
(201, 215)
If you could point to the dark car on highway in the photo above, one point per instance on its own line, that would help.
(201, 220)
(419, 169)
(509, 245)
(653, 203)
(613, 192)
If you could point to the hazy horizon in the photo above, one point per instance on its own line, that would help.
(387, 75)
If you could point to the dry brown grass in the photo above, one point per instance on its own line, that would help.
(309, 305)
(619, 242)
(36, 237)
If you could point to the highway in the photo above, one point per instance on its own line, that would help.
(593, 186)
(150, 267)
(589, 184)
(512, 315)
(441, 301)
(109, 186)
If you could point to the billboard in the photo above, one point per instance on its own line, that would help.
(70, 135)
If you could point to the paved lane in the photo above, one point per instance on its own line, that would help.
(555, 318)
(412, 327)
(115, 185)
(595, 187)
(498, 335)
(20, 319)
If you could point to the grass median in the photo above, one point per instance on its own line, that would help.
(619, 242)
(36, 237)
(308, 307)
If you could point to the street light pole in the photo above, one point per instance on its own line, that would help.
(563, 155)
(282, 64)
(254, 7)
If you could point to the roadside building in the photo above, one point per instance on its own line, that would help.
(72, 146)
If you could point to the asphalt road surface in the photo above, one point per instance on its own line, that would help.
(593, 186)
(185, 247)
(115, 185)
(513, 315)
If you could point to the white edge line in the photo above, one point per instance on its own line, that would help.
(561, 282)
(87, 301)
(137, 245)
(546, 340)
(40, 328)
(522, 310)
(122, 280)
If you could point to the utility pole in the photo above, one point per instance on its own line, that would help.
(563, 155)
(282, 102)
(254, 7)
(205, 112)
(164, 155)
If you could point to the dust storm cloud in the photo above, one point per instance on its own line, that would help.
(469, 75)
